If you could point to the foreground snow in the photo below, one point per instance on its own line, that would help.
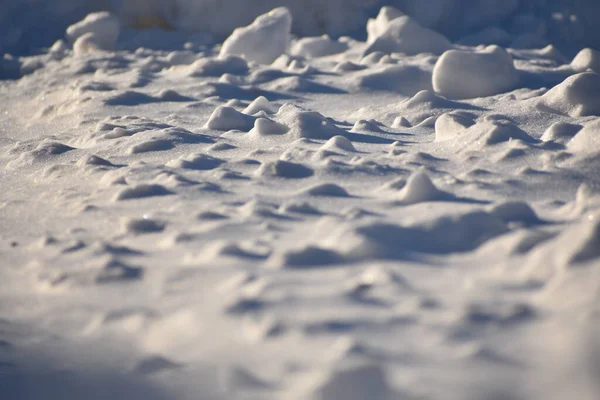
(401, 218)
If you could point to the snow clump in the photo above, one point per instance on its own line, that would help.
(262, 41)
(462, 74)
(100, 28)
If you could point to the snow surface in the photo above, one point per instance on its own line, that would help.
(299, 200)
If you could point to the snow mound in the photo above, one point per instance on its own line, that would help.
(338, 143)
(492, 131)
(460, 74)
(418, 189)
(262, 41)
(587, 139)
(218, 66)
(306, 124)
(560, 132)
(457, 232)
(260, 104)
(587, 59)
(577, 96)
(327, 190)
(284, 169)
(227, 118)
(101, 28)
(268, 127)
(320, 46)
(452, 124)
(405, 35)
(197, 161)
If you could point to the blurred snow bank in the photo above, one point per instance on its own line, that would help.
(28, 25)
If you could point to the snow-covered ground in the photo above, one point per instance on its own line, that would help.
(198, 206)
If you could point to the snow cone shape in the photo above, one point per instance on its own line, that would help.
(262, 41)
(418, 189)
(227, 118)
(103, 29)
(577, 96)
(469, 74)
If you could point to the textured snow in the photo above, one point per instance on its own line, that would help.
(343, 199)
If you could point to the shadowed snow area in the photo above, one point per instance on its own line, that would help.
(318, 199)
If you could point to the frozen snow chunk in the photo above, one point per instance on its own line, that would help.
(405, 35)
(339, 143)
(452, 124)
(460, 74)
(141, 191)
(227, 118)
(355, 382)
(306, 124)
(227, 64)
(103, 29)
(419, 188)
(587, 139)
(377, 26)
(587, 59)
(260, 104)
(320, 46)
(577, 96)
(560, 132)
(262, 41)
(284, 169)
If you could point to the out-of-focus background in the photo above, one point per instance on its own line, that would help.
(28, 26)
